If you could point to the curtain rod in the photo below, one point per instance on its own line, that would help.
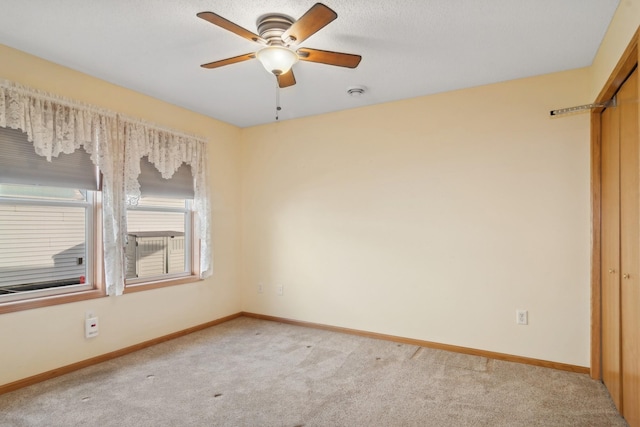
(610, 103)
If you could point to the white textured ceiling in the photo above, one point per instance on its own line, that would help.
(409, 48)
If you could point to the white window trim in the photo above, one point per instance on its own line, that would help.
(93, 262)
(189, 256)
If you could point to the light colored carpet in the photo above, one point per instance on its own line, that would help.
(249, 372)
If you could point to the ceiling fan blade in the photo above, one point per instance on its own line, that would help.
(287, 79)
(313, 20)
(229, 61)
(230, 26)
(327, 57)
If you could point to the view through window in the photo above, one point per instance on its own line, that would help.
(159, 239)
(44, 236)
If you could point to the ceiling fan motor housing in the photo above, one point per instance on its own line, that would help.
(271, 27)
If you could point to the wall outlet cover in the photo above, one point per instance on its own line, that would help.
(91, 327)
(522, 317)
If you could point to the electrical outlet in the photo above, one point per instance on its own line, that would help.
(280, 290)
(260, 287)
(90, 325)
(522, 317)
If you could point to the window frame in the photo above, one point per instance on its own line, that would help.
(192, 262)
(149, 178)
(95, 270)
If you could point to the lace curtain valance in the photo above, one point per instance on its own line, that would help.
(116, 144)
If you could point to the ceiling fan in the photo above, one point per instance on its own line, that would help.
(280, 35)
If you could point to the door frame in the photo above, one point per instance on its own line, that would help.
(628, 61)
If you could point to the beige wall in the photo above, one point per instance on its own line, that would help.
(38, 340)
(433, 218)
(623, 26)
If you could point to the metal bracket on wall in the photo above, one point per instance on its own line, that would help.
(610, 103)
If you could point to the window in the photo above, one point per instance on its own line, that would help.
(67, 188)
(159, 238)
(48, 230)
(45, 238)
(159, 248)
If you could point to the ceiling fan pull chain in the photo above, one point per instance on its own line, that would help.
(278, 108)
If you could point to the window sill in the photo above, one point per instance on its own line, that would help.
(28, 304)
(155, 284)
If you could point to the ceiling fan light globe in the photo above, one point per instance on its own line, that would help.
(276, 59)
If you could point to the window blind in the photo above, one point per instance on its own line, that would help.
(180, 186)
(19, 164)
